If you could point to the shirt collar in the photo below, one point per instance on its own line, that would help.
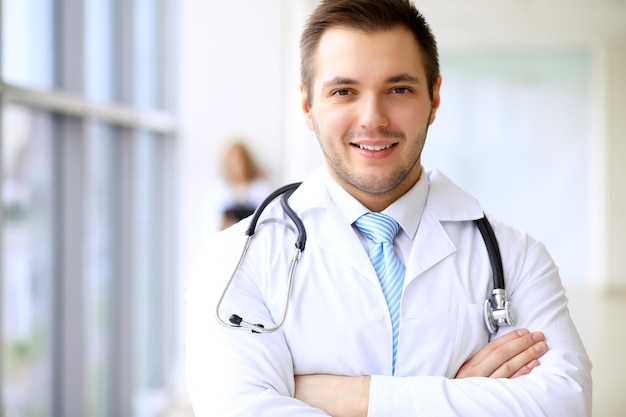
(407, 210)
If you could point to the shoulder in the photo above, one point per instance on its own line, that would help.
(311, 194)
(449, 202)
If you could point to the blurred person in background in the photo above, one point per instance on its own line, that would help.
(244, 185)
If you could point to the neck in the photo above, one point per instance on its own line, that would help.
(377, 202)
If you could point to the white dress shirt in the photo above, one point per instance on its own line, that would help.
(338, 322)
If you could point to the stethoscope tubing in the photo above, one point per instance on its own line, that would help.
(497, 308)
(235, 320)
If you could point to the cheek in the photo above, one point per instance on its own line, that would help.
(332, 121)
(412, 119)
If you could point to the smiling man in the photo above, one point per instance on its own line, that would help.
(379, 326)
(373, 106)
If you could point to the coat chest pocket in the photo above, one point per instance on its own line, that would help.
(471, 334)
(442, 341)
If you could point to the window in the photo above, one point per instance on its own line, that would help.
(88, 146)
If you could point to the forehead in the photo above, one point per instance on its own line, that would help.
(357, 54)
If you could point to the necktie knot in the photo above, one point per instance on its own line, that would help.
(379, 227)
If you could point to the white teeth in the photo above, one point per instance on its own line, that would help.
(374, 148)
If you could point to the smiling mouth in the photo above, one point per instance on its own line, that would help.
(374, 148)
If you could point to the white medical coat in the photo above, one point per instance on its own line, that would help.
(338, 321)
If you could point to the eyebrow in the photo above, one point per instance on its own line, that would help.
(339, 81)
(403, 77)
(398, 78)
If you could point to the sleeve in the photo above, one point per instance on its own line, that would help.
(234, 372)
(560, 386)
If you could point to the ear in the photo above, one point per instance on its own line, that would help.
(436, 101)
(306, 109)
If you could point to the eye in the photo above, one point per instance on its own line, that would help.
(401, 90)
(341, 92)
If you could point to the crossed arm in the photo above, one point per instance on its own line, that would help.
(252, 375)
(509, 356)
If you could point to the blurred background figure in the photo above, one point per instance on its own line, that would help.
(244, 184)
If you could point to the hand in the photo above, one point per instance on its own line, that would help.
(512, 355)
(338, 396)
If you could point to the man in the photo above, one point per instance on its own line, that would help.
(370, 90)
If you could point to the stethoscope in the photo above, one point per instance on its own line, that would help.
(497, 308)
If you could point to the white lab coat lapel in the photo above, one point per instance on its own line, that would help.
(336, 237)
(445, 202)
(339, 240)
(431, 246)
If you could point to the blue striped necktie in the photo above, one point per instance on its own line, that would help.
(382, 229)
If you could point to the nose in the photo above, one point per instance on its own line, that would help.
(373, 113)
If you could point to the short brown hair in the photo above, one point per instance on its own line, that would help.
(368, 16)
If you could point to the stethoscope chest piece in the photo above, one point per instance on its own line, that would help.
(498, 311)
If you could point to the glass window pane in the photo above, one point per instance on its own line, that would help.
(27, 261)
(99, 73)
(147, 66)
(28, 42)
(154, 299)
(147, 307)
(99, 273)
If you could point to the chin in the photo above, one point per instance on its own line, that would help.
(376, 185)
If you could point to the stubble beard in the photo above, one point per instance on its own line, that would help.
(370, 183)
